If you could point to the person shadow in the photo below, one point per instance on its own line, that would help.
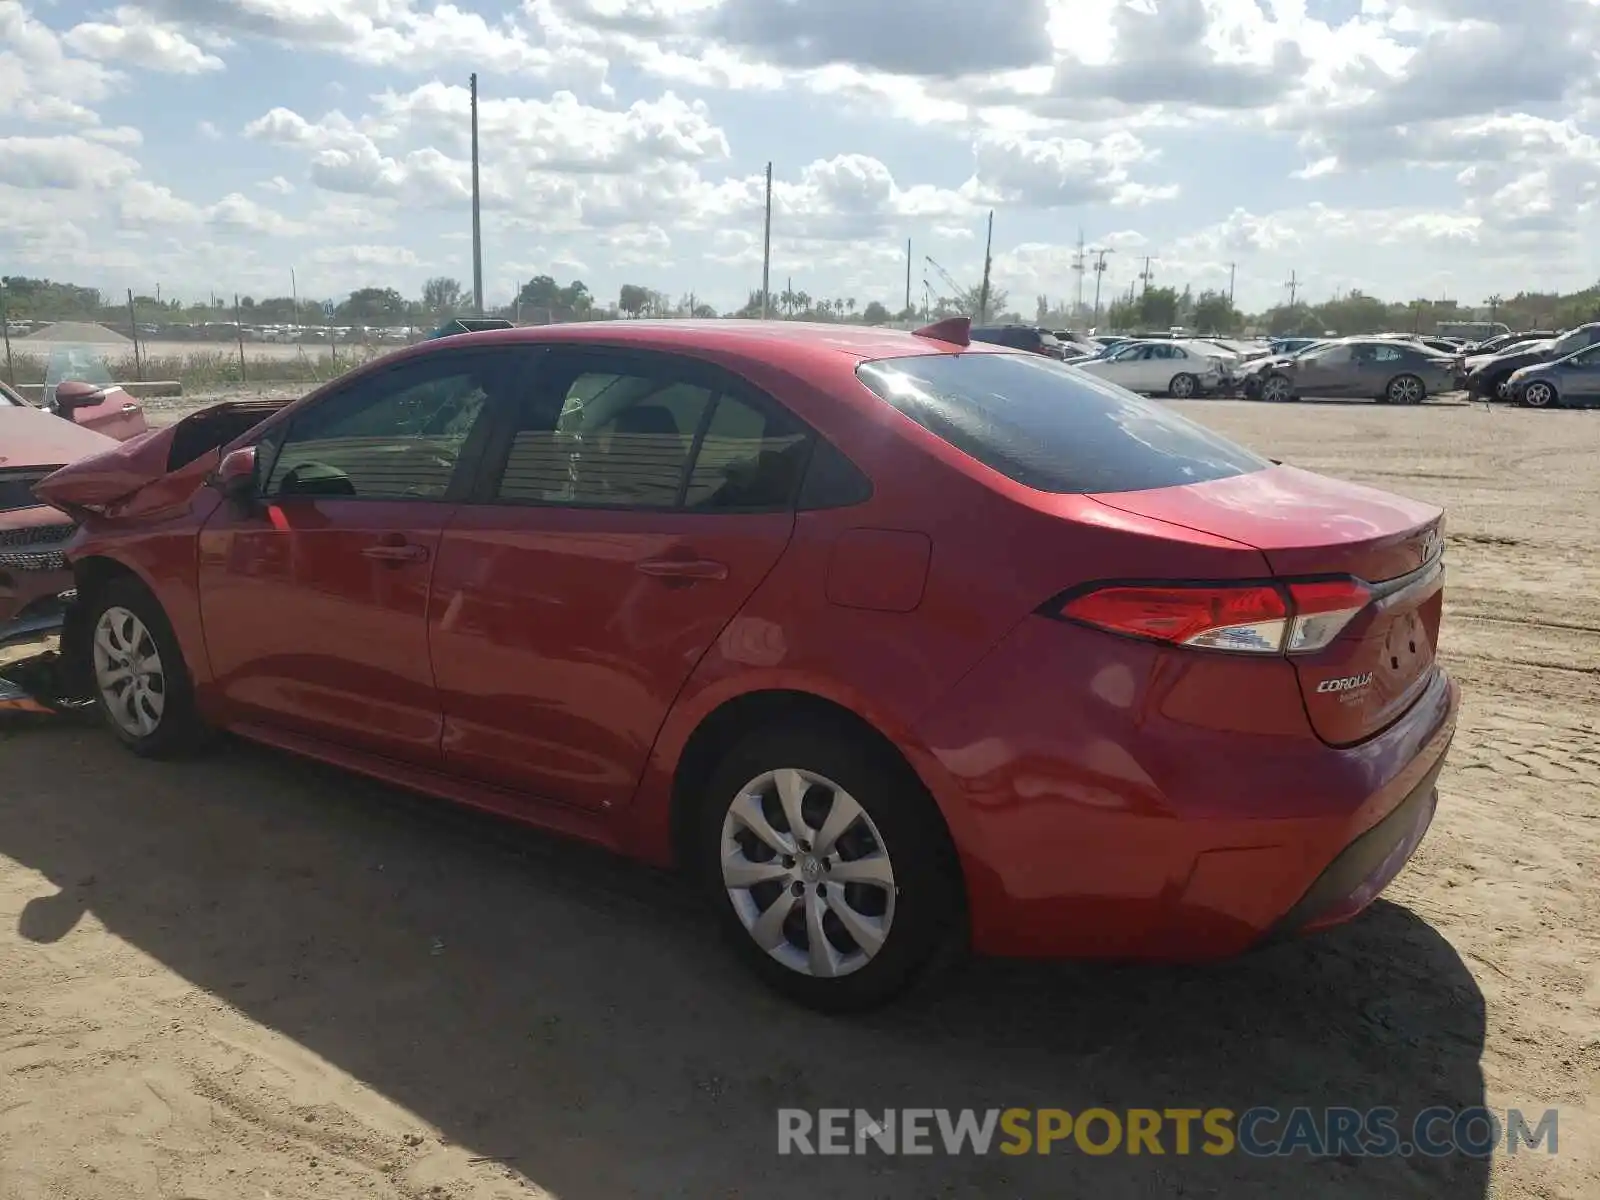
(569, 1015)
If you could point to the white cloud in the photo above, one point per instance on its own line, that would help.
(65, 162)
(133, 36)
(1398, 146)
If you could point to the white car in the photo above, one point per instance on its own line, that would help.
(1171, 368)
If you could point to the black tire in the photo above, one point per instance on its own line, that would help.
(179, 731)
(1405, 389)
(1183, 386)
(928, 924)
(1541, 393)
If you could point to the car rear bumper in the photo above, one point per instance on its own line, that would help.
(1134, 823)
(1357, 877)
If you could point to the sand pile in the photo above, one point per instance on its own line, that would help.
(82, 332)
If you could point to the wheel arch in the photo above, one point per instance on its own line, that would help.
(93, 572)
(739, 716)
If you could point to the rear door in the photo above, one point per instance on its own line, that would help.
(631, 503)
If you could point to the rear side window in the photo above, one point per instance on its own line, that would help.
(1052, 427)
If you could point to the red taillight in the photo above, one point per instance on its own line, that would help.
(1321, 611)
(1294, 618)
(1216, 618)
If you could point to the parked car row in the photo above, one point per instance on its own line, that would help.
(1537, 372)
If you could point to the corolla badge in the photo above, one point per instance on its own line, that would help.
(1349, 683)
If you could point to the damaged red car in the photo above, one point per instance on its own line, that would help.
(80, 419)
(895, 643)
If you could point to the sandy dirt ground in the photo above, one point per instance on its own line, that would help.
(249, 977)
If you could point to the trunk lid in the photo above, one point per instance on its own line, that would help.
(118, 481)
(1308, 527)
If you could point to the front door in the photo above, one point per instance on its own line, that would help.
(1129, 368)
(117, 415)
(315, 601)
(1579, 381)
(1325, 372)
(630, 506)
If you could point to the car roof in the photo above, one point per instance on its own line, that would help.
(32, 437)
(784, 342)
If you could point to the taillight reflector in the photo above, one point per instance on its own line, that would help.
(1294, 618)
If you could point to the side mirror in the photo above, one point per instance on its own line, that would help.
(73, 394)
(235, 476)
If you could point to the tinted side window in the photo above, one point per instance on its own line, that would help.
(1053, 427)
(747, 459)
(397, 435)
(614, 440)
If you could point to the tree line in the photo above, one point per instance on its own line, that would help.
(544, 300)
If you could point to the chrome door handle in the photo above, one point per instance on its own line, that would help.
(683, 568)
(396, 554)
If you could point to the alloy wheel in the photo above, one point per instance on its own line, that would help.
(128, 672)
(1406, 390)
(807, 873)
(1276, 389)
(1182, 387)
(1538, 395)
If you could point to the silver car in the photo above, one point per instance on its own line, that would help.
(1385, 370)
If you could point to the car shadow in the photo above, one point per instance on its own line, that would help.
(567, 1013)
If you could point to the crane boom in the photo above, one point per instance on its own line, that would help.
(955, 288)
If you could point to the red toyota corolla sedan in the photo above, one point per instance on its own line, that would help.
(893, 641)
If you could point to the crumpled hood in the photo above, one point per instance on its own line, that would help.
(118, 481)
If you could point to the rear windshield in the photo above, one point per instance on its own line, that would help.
(1052, 427)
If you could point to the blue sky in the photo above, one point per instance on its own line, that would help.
(1445, 147)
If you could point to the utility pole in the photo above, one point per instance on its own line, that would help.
(5, 331)
(988, 264)
(477, 227)
(1079, 265)
(766, 253)
(1147, 275)
(908, 276)
(1232, 267)
(1294, 287)
(1099, 277)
